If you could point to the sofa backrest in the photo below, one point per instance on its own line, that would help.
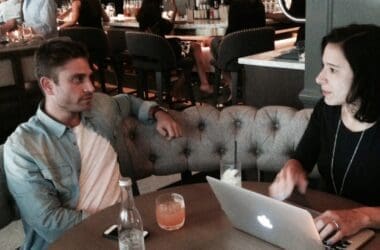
(265, 137)
(7, 205)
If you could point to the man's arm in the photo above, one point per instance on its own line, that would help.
(36, 197)
(149, 112)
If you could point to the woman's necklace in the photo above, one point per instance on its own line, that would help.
(349, 164)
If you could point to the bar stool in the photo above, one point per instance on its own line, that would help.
(151, 52)
(238, 44)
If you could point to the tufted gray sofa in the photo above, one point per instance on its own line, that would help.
(265, 137)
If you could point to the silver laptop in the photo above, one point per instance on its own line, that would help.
(274, 221)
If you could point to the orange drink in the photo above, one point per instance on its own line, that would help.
(170, 211)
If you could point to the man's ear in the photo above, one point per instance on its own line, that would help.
(47, 85)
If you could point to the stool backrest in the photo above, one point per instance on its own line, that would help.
(93, 38)
(116, 40)
(243, 43)
(150, 51)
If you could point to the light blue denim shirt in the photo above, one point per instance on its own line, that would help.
(41, 16)
(42, 165)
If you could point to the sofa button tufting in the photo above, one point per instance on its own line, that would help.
(186, 152)
(152, 157)
(201, 126)
(257, 152)
(237, 123)
(221, 151)
(276, 125)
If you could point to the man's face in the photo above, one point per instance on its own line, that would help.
(74, 90)
(336, 75)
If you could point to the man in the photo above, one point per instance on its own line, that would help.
(40, 15)
(62, 164)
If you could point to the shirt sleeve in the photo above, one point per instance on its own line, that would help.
(131, 105)
(309, 146)
(44, 24)
(36, 197)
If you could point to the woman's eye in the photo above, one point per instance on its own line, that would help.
(332, 70)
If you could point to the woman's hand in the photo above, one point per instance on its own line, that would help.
(333, 225)
(291, 175)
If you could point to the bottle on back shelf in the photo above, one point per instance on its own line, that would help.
(223, 11)
(130, 224)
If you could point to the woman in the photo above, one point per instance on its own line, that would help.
(150, 20)
(88, 13)
(343, 135)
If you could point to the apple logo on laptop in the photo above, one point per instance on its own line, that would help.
(264, 221)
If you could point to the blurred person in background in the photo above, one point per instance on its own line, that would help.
(41, 16)
(87, 13)
(10, 15)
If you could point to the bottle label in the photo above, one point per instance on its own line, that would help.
(131, 239)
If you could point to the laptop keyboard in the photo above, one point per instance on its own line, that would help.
(340, 245)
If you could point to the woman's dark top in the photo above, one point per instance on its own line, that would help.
(149, 19)
(245, 14)
(362, 183)
(90, 14)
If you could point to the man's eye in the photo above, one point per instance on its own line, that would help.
(78, 79)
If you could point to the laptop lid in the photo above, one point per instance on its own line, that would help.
(274, 221)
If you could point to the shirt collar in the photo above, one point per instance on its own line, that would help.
(56, 127)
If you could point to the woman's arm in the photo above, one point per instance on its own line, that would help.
(75, 10)
(174, 13)
(8, 26)
(105, 16)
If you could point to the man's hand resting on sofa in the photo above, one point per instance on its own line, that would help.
(291, 175)
(166, 126)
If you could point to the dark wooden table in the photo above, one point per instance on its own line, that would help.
(206, 225)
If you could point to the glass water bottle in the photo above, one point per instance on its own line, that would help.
(130, 225)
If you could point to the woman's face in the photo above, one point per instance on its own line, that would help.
(336, 75)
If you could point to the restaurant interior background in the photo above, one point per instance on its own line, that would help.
(18, 100)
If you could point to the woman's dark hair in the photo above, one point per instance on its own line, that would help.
(360, 44)
(149, 13)
(56, 53)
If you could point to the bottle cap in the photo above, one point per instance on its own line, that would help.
(125, 181)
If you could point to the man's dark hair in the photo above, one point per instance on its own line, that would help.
(361, 47)
(56, 53)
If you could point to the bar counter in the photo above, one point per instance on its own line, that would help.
(197, 27)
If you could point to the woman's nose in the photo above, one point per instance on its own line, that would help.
(320, 79)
